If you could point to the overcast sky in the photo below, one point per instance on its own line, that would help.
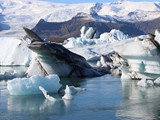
(93, 1)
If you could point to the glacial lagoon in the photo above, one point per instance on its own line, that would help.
(105, 98)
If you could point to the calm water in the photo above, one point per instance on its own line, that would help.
(106, 98)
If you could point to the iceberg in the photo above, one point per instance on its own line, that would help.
(30, 86)
(145, 83)
(143, 56)
(53, 58)
(113, 36)
(46, 61)
(157, 81)
(14, 52)
(93, 49)
(88, 33)
(89, 36)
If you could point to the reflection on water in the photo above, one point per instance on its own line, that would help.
(139, 103)
(36, 105)
(106, 98)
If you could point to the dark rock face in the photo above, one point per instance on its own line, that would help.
(59, 31)
(55, 59)
(148, 26)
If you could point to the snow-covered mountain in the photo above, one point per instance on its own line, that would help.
(17, 13)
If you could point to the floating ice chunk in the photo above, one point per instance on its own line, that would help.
(113, 36)
(30, 86)
(46, 95)
(142, 83)
(68, 94)
(150, 83)
(157, 81)
(145, 83)
(75, 90)
(71, 90)
(125, 71)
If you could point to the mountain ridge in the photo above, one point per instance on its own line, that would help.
(16, 14)
(59, 31)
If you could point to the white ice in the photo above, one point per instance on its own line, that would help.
(46, 95)
(30, 86)
(68, 93)
(11, 74)
(85, 39)
(157, 81)
(14, 52)
(145, 83)
(75, 90)
(101, 62)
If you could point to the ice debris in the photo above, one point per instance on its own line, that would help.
(46, 95)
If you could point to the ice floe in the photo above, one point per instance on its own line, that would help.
(30, 86)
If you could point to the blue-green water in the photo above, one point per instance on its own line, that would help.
(106, 98)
